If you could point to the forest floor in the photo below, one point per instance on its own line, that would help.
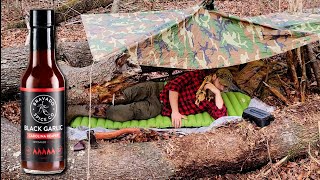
(72, 31)
(305, 167)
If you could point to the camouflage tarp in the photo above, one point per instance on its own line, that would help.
(197, 38)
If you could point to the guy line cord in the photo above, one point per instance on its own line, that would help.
(90, 105)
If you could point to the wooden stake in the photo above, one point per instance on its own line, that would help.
(279, 10)
(277, 93)
(115, 6)
(314, 64)
(308, 63)
(303, 81)
(292, 69)
(319, 128)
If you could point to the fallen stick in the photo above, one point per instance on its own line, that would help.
(283, 160)
(284, 84)
(114, 134)
(311, 157)
(277, 93)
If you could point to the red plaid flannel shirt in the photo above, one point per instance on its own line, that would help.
(187, 85)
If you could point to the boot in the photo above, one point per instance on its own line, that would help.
(99, 110)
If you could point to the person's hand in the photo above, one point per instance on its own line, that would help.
(176, 118)
(212, 88)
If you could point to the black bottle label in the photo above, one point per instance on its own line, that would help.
(42, 124)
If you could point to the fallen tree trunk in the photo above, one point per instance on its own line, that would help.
(76, 54)
(68, 10)
(237, 148)
(14, 61)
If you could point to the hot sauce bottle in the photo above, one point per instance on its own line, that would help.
(43, 149)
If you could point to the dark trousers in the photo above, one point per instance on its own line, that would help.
(141, 102)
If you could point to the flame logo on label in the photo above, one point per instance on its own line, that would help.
(43, 151)
(43, 109)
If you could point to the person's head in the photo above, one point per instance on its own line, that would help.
(222, 79)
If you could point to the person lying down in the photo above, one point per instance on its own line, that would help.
(191, 93)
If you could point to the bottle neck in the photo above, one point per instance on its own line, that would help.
(42, 46)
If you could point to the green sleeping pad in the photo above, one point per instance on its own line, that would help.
(235, 102)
